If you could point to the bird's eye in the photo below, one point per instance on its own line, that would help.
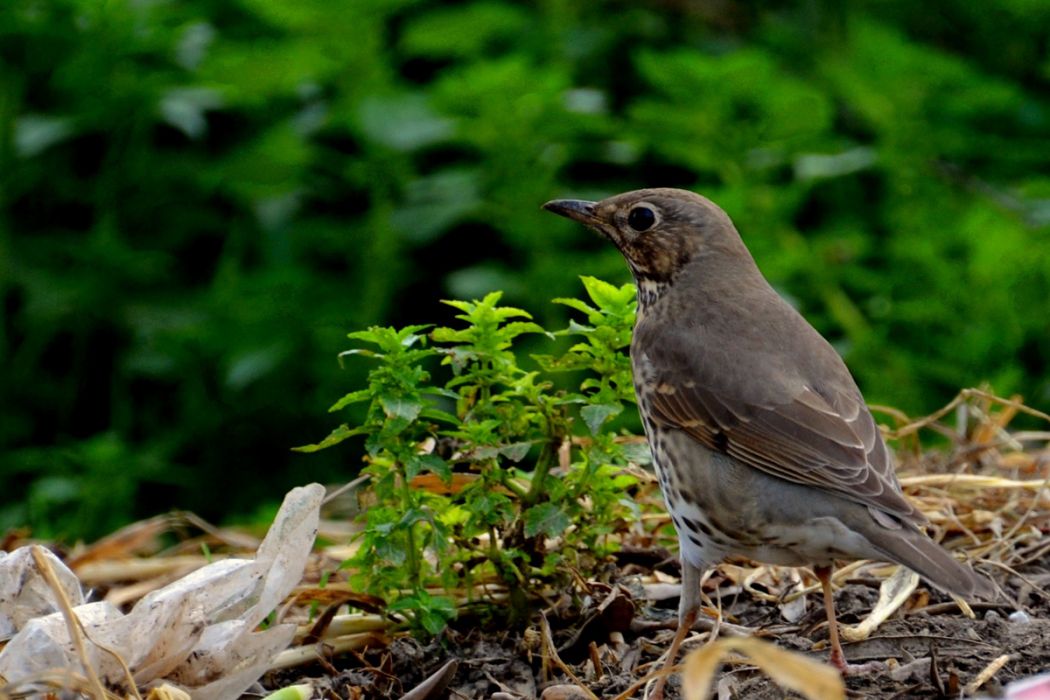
(641, 218)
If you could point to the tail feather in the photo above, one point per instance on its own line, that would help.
(925, 557)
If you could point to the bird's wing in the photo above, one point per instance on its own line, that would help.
(822, 437)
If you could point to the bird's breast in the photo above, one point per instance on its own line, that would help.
(722, 507)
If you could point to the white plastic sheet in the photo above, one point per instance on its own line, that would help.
(198, 633)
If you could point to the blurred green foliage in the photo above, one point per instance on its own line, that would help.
(199, 199)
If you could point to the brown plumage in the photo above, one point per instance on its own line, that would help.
(761, 439)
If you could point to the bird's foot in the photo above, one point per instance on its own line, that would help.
(654, 689)
(657, 694)
(847, 669)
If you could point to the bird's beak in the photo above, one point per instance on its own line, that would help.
(575, 209)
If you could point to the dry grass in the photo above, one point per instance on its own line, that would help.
(985, 487)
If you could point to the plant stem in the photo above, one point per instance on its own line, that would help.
(508, 483)
(406, 505)
(544, 462)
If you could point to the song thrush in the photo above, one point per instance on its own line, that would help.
(761, 439)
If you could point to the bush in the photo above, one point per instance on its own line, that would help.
(197, 198)
(475, 471)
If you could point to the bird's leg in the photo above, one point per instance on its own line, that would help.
(838, 659)
(688, 607)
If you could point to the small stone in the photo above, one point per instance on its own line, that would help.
(1020, 617)
(563, 692)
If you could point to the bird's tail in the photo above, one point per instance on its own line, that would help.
(925, 557)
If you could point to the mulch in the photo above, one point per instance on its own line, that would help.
(984, 486)
(984, 489)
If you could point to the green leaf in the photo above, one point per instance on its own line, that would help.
(433, 621)
(412, 516)
(432, 613)
(601, 292)
(464, 30)
(576, 327)
(546, 518)
(302, 691)
(34, 133)
(428, 462)
(403, 122)
(389, 339)
(352, 397)
(391, 549)
(450, 335)
(505, 312)
(609, 297)
(401, 407)
(437, 414)
(577, 304)
(638, 452)
(516, 451)
(437, 613)
(434, 203)
(513, 330)
(595, 415)
(335, 437)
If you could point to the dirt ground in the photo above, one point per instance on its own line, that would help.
(986, 493)
(933, 650)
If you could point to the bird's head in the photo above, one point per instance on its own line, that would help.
(658, 230)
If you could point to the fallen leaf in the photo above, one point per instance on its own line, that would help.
(813, 679)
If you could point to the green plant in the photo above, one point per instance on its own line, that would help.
(475, 463)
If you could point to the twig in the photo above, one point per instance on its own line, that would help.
(435, 683)
(962, 396)
(76, 629)
(345, 487)
(552, 653)
(1028, 511)
(1035, 587)
(986, 674)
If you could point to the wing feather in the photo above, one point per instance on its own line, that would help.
(830, 443)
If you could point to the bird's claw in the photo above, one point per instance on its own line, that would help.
(847, 669)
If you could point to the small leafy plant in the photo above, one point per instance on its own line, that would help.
(479, 469)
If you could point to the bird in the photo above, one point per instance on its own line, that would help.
(761, 440)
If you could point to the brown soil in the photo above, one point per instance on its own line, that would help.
(986, 492)
(933, 649)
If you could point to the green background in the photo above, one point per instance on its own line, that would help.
(199, 199)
